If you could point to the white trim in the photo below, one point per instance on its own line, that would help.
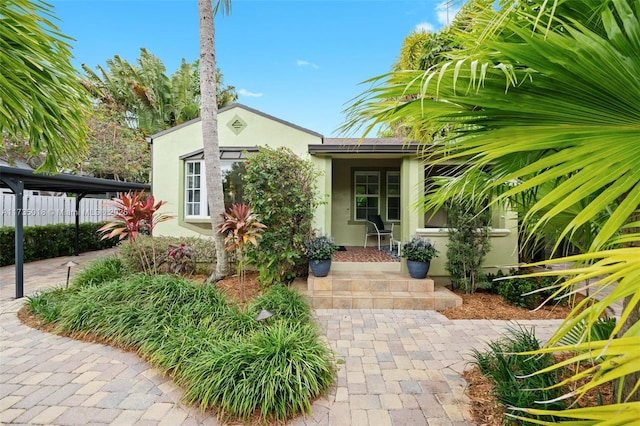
(202, 204)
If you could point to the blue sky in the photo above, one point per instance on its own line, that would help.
(301, 61)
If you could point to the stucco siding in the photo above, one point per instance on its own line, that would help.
(168, 170)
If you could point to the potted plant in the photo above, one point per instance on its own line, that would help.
(419, 253)
(319, 252)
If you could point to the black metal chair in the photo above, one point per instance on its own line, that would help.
(375, 226)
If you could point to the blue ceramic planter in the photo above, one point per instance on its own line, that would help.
(418, 269)
(320, 268)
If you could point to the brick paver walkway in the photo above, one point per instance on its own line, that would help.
(400, 368)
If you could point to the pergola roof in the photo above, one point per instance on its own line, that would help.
(65, 183)
(18, 179)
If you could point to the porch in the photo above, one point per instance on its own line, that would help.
(367, 278)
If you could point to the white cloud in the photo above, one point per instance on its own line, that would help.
(446, 12)
(425, 27)
(303, 63)
(245, 92)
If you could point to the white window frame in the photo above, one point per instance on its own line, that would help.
(203, 206)
(356, 195)
(388, 196)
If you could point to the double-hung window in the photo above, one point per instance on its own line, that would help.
(195, 190)
(367, 194)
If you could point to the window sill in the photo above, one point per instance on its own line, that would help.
(197, 219)
(441, 232)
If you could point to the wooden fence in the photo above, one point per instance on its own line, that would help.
(47, 210)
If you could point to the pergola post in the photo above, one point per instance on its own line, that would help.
(17, 186)
(76, 237)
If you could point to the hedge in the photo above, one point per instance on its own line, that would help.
(48, 241)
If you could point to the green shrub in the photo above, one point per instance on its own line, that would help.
(222, 356)
(507, 370)
(281, 189)
(278, 370)
(468, 243)
(58, 241)
(155, 252)
(514, 290)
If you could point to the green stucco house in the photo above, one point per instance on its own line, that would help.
(360, 177)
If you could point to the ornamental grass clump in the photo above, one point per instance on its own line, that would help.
(419, 250)
(320, 248)
(219, 353)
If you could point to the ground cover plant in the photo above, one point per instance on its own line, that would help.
(222, 357)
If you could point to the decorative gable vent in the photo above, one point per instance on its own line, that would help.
(237, 125)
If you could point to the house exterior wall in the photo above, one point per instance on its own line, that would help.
(168, 170)
(335, 186)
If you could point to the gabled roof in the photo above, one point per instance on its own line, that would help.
(246, 108)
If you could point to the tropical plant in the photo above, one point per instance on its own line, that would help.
(320, 248)
(281, 188)
(41, 100)
(546, 94)
(180, 259)
(240, 227)
(419, 249)
(134, 215)
(151, 100)
(209, 115)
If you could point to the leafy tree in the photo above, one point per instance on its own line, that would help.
(209, 114)
(41, 100)
(116, 150)
(152, 100)
(547, 98)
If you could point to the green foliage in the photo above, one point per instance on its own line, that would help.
(515, 290)
(222, 356)
(320, 248)
(116, 150)
(153, 252)
(281, 188)
(41, 99)
(419, 250)
(99, 272)
(48, 305)
(153, 100)
(59, 241)
(468, 244)
(506, 369)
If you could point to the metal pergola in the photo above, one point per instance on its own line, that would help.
(17, 180)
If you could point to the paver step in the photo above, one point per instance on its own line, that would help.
(375, 290)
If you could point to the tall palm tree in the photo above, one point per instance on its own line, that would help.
(40, 99)
(547, 98)
(209, 115)
(152, 100)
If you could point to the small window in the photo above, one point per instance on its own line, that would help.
(393, 196)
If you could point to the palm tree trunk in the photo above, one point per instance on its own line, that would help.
(209, 114)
